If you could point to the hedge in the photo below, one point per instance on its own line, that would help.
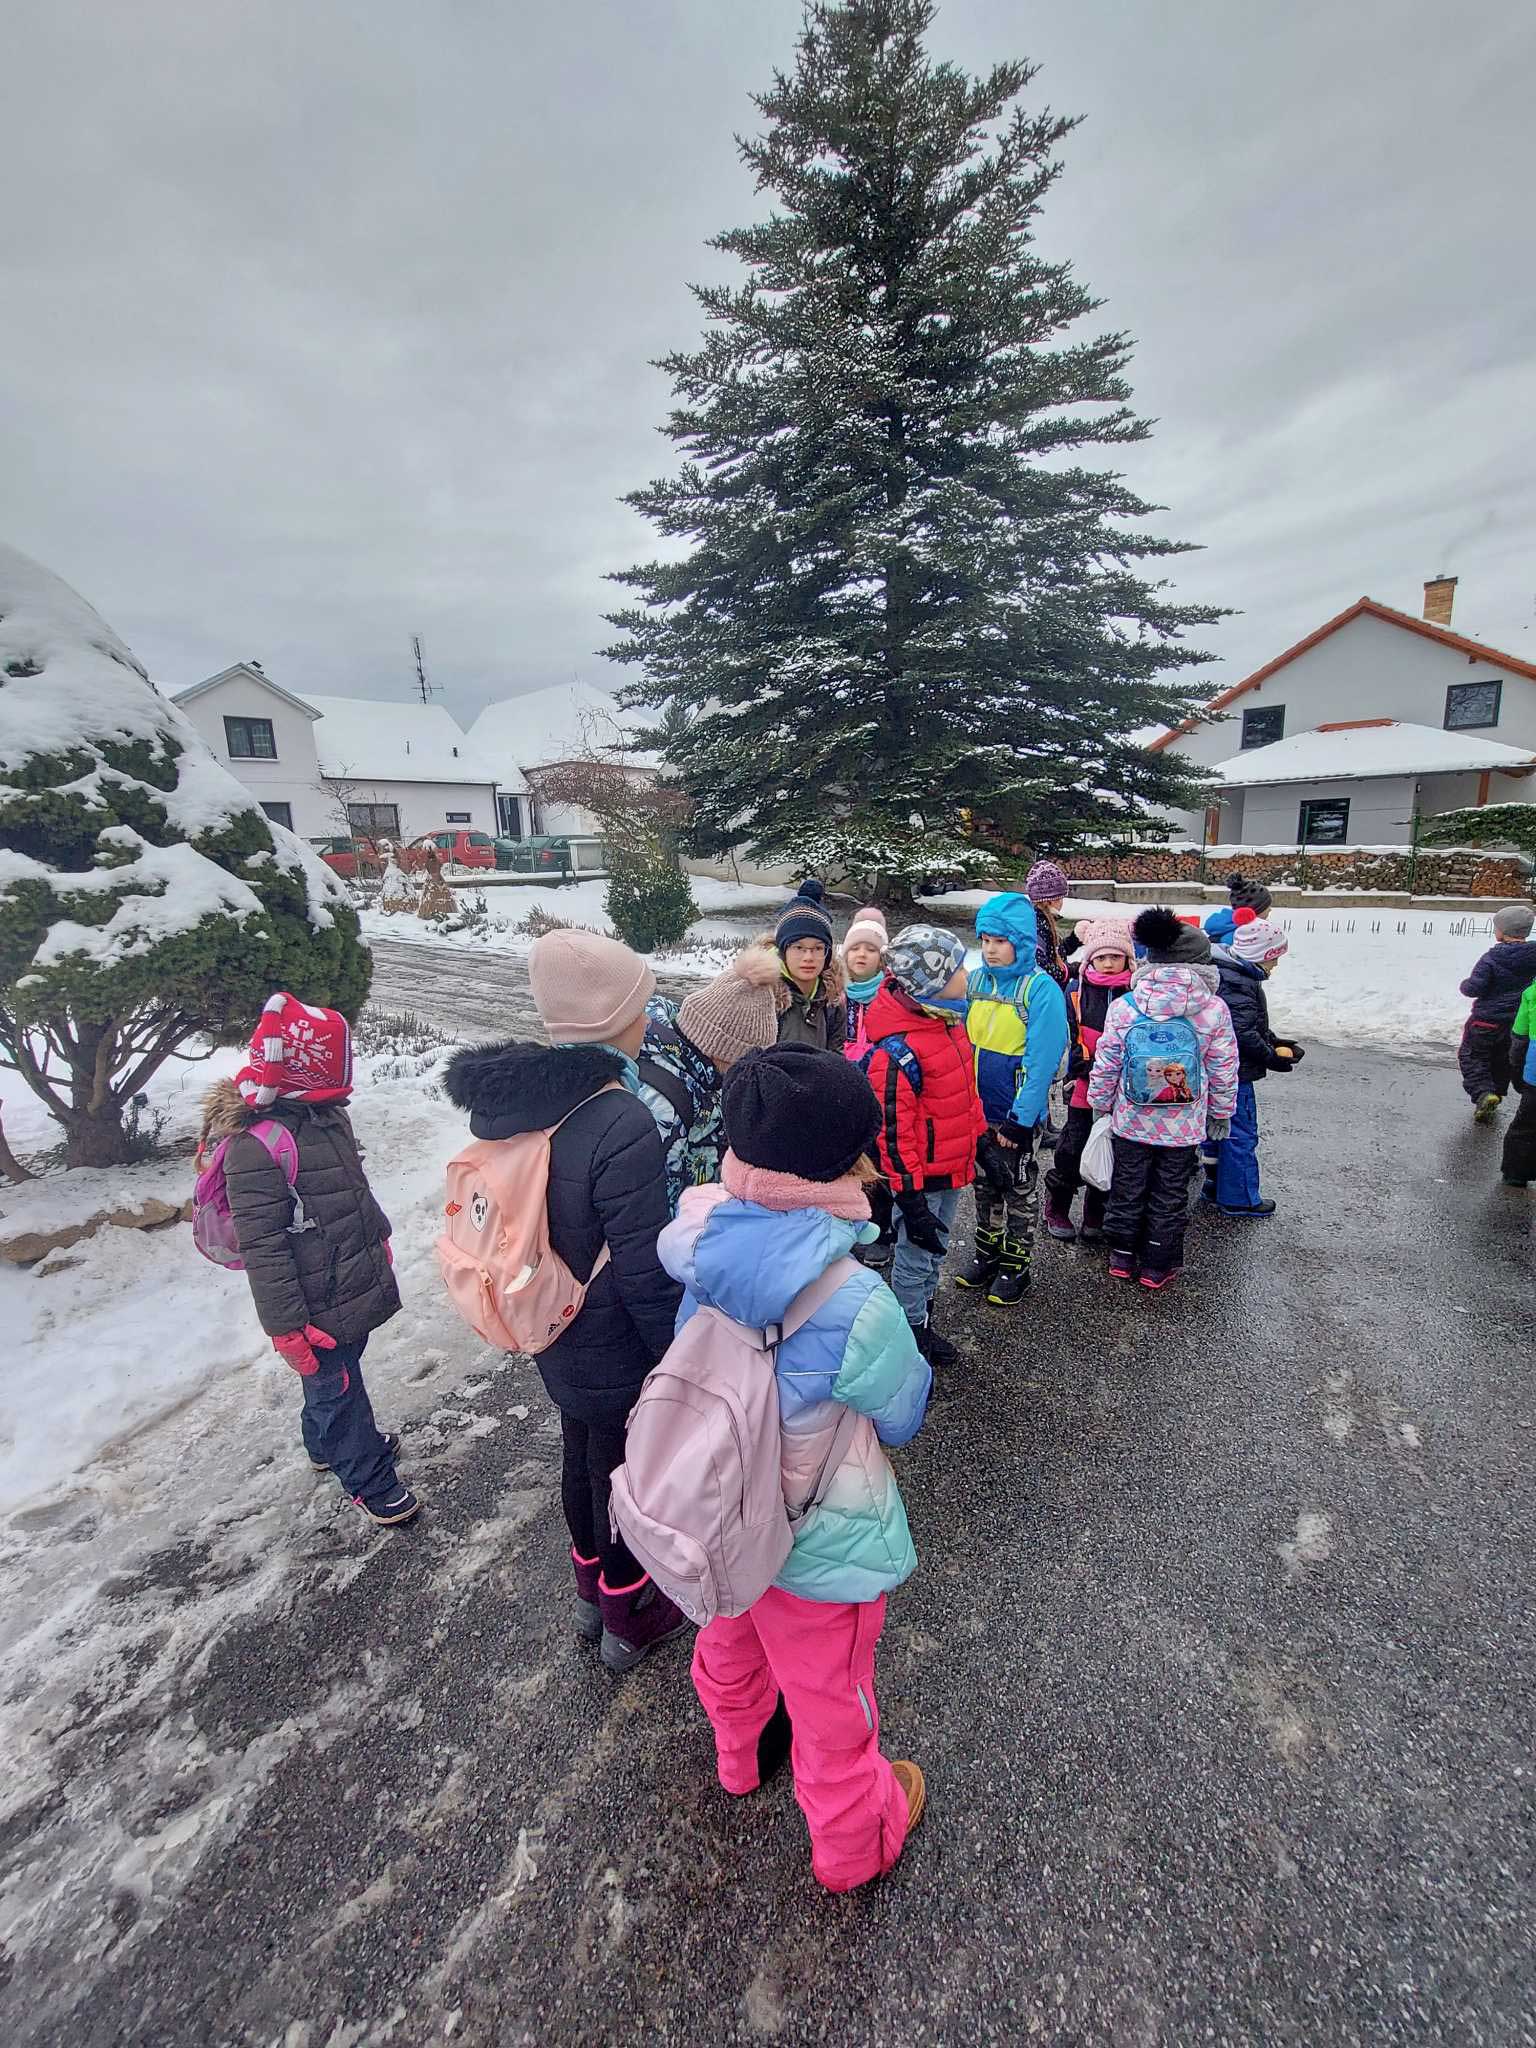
(1463, 872)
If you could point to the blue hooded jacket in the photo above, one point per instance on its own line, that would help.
(857, 1351)
(1017, 1019)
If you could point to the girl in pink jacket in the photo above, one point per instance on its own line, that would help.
(1165, 1072)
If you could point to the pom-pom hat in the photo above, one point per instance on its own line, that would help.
(298, 1054)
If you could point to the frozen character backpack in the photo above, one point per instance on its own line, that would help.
(700, 1496)
(1161, 1061)
(502, 1273)
(213, 1226)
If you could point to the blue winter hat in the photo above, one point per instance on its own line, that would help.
(803, 918)
(1220, 926)
(923, 959)
(1011, 917)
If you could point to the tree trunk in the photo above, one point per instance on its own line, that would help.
(99, 1139)
(10, 1165)
(894, 893)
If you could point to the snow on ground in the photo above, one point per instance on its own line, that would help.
(728, 911)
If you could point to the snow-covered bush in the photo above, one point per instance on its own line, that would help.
(145, 898)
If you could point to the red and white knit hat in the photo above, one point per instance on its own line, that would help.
(297, 1053)
(1256, 939)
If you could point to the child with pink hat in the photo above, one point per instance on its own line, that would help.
(1105, 960)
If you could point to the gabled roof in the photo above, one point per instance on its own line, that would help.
(250, 675)
(553, 725)
(1356, 749)
(360, 739)
(1365, 607)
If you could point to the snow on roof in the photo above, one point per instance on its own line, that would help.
(555, 724)
(362, 738)
(1349, 753)
(248, 671)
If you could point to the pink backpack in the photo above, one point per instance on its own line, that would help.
(213, 1226)
(699, 1498)
(502, 1273)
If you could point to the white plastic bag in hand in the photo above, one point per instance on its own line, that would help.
(1097, 1165)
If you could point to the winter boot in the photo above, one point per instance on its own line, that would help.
(391, 1441)
(1057, 1217)
(1092, 1231)
(1012, 1282)
(588, 1616)
(909, 1777)
(392, 1508)
(1208, 1192)
(877, 1256)
(634, 1622)
(1264, 1208)
(1487, 1109)
(938, 1351)
(1122, 1265)
(1156, 1278)
(983, 1268)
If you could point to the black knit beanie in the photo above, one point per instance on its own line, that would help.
(1169, 941)
(803, 918)
(792, 1109)
(1246, 895)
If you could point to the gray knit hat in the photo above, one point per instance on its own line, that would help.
(1514, 921)
(1169, 941)
(736, 1012)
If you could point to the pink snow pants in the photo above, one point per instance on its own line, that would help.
(821, 1656)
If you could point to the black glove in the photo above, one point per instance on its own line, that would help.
(995, 1164)
(922, 1224)
(1018, 1134)
(1297, 1055)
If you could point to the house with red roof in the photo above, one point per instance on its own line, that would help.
(1374, 717)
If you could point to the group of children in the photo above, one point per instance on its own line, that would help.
(724, 1154)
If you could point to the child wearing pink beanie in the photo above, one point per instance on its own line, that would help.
(864, 951)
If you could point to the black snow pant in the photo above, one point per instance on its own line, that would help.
(592, 1451)
(1148, 1205)
(1066, 1176)
(1484, 1058)
(1519, 1162)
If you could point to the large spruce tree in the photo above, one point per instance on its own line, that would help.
(906, 606)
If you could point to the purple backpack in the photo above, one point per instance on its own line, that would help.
(699, 1498)
(213, 1227)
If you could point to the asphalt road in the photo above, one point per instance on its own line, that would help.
(1219, 1659)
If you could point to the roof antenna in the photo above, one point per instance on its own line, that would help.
(427, 691)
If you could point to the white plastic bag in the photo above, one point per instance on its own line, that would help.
(1097, 1165)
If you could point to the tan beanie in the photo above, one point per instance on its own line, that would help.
(587, 987)
(735, 1013)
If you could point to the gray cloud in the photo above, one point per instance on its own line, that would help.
(324, 325)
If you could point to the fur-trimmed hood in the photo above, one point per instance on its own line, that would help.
(834, 982)
(517, 1086)
(226, 1113)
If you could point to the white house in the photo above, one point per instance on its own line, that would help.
(549, 729)
(1376, 717)
(328, 766)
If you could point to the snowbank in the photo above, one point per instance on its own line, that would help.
(733, 911)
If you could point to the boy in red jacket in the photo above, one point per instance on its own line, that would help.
(922, 1072)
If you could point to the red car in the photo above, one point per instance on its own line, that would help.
(453, 845)
(353, 859)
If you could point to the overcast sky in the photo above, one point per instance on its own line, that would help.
(324, 324)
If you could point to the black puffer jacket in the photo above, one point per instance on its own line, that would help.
(335, 1272)
(1242, 990)
(607, 1180)
(1500, 979)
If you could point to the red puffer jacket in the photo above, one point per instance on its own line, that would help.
(928, 1135)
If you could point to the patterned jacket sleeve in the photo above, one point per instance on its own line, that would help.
(1109, 1057)
(1218, 1049)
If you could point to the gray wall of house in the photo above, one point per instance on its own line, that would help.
(1370, 669)
(1380, 810)
(294, 777)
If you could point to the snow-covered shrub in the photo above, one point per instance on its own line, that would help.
(145, 898)
(651, 905)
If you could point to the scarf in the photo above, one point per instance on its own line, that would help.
(864, 991)
(785, 1192)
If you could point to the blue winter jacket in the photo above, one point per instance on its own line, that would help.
(857, 1351)
(1017, 1019)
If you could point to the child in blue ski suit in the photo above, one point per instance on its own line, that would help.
(1017, 1020)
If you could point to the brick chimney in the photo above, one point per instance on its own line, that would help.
(1439, 596)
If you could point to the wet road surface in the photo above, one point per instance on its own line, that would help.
(1219, 1658)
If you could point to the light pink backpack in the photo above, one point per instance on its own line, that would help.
(699, 1498)
(502, 1273)
(213, 1224)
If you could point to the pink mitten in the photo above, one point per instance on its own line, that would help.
(389, 1250)
(298, 1347)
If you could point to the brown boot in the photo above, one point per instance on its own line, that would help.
(909, 1777)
